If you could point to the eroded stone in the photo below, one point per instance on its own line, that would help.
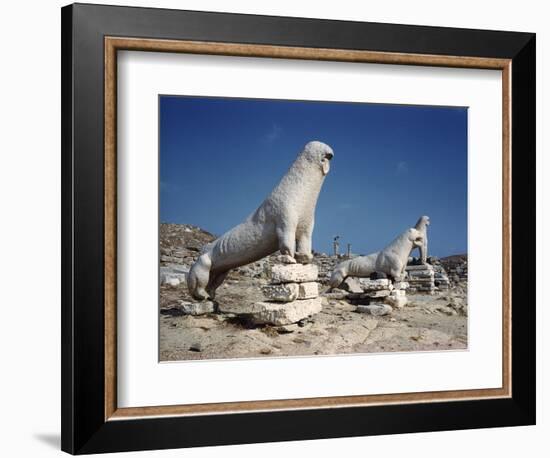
(308, 290)
(294, 273)
(375, 310)
(197, 308)
(284, 292)
(282, 314)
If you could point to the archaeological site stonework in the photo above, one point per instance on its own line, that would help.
(291, 296)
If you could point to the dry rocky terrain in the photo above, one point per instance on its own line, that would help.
(427, 323)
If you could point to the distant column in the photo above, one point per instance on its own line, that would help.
(336, 245)
(349, 251)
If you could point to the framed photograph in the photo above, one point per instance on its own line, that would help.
(281, 228)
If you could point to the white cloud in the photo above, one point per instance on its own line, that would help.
(402, 168)
(273, 134)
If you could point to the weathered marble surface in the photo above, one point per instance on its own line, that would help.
(375, 285)
(173, 274)
(294, 273)
(280, 314)
(284, 292)
(392, 260)
(197, 308)
(284, 221)
(422, 226)
(308, 290)
(375, 309)
(397, 299)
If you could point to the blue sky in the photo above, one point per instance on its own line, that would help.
(220, 157)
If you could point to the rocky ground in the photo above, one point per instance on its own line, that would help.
(428, 322)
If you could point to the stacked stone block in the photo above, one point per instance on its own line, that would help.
(291, 296)
(377, 294)
(421, 278)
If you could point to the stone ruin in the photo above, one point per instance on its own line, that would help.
(421, 278)
(376, 296)
(291, 296)
(456, 268)
(435, 275)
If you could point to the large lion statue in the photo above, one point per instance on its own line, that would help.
(392, 260)
(284, 222)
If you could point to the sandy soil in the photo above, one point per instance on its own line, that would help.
(428, 323)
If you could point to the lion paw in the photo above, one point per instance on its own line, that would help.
(304, 258)
(286, 259)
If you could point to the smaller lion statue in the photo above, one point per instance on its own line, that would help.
(422, 225)
(392, 260)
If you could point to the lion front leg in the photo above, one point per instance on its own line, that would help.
(214, 283)
(303, 246)
(398, 273)
(286, 236)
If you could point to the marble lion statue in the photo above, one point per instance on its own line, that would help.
(284, 222)
(392, 260)
(422, 225)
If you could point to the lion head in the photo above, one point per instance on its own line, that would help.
(422, 221)
(319, 154)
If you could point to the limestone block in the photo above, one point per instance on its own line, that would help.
(396, 301)
(294, 273)
(418, 274)
(197, 308)
(171, 281)
(173, 272)
(282, 314)
(420, 267)
(284, 292)
(373, 285)
(288, 292)
(374, 309)
(401, 285)
(336, 294)
(308, 290)
(379, 293)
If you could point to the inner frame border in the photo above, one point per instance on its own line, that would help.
(114, 44)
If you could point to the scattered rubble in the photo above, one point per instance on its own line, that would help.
(369, 315)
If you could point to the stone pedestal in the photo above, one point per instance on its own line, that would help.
(282, 314)
(292, 295)
(379, 292)
(370, 291)
(421, 278)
